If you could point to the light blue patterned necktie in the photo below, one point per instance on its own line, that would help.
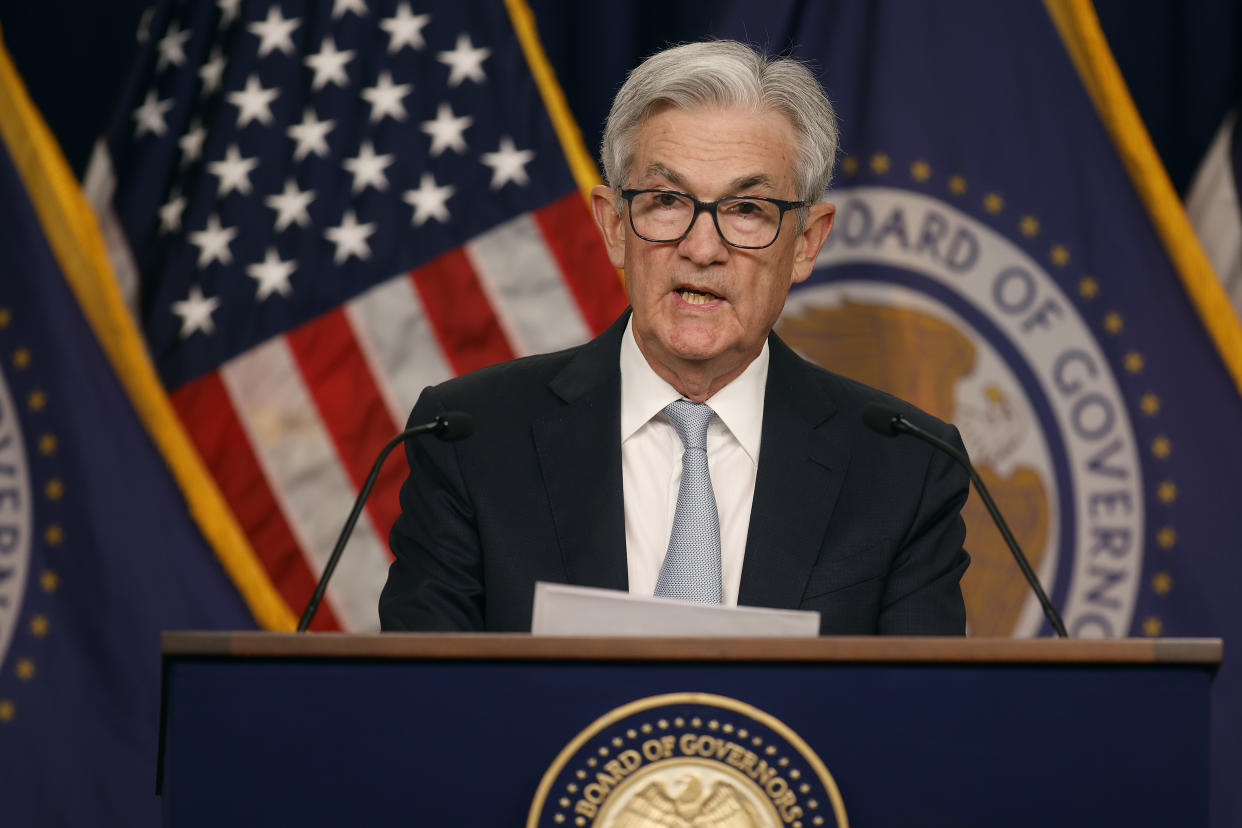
(691, 568)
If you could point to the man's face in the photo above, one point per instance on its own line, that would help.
(701, 306)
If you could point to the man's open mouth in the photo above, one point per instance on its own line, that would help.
(696, 297)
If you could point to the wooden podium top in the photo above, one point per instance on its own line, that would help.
(1206, 652)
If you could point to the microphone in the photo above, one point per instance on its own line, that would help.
(889, 421)
(449, 426)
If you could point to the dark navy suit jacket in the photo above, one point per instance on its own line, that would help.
(865, 529)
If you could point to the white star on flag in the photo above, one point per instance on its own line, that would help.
(385, 98)
(272, 275)
(429, 200)
(172, 47)
(290, 205)
(465, 62)
(233, 172)
(192, 142)
(253, 102)
(150, 116)
(275, 31)
(212, 72)
(508, 163)
(213, 242)
(228, 11)
(446, 131)
(368, 168)
(405, 29)
(311, 135)
(170, 213)
(329, 65)
(195, 312)
(341, 7)
(350, 238)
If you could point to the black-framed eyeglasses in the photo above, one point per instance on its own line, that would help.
(748, 222)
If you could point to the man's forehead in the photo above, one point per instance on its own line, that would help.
(754, 148)
(657, 169)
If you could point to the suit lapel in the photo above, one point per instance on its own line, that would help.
(801, 469)
(579, 449)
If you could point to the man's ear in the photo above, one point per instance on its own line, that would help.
(811, 240)
(611, 224)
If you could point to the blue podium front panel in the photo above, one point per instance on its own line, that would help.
(284, 741)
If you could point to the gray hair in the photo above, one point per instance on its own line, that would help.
(725, 73)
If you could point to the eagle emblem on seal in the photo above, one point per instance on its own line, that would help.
(687, 805)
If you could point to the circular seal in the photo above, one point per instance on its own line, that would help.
(920, 299)
(689, 759)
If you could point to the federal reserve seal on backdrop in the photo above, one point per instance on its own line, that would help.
(691, 760)
(916, 297)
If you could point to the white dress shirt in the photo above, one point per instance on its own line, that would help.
(651, 465)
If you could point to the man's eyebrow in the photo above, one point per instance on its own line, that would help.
(658, 169)
(749, 181)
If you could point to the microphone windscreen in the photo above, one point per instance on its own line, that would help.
(454, 425)
(881, 418)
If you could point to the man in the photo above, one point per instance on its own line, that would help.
(590, 466)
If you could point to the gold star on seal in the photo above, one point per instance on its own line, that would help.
(1166, 537)
(21, 358)
(1088, 287)
(36, 401)
(1028, 226)
(7, 710)
(38, 625)
(1059, 255)
(1134, 362)
(47, 443)
(1150, 404)
(1167, 491)
(1113, 323)
(25, 669)
(1152, 627)
(849, 165)
(53, 535)
(49, 580)
(54, 489)
(1161, 447)
(880, 163)
(920, 171)
(957, 184)
(993, 203)
(1162, 582)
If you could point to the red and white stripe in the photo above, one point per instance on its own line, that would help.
(290, 428)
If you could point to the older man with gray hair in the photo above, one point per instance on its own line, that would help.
(687, 452)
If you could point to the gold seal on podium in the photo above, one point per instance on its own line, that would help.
(692, 760)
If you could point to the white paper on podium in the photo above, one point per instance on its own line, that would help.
(561, 609)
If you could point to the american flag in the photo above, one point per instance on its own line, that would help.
(316, 209)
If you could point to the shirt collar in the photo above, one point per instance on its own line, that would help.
(739, 405)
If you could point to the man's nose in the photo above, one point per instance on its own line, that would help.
(703, 244)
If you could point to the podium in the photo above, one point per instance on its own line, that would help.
(461, 730)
